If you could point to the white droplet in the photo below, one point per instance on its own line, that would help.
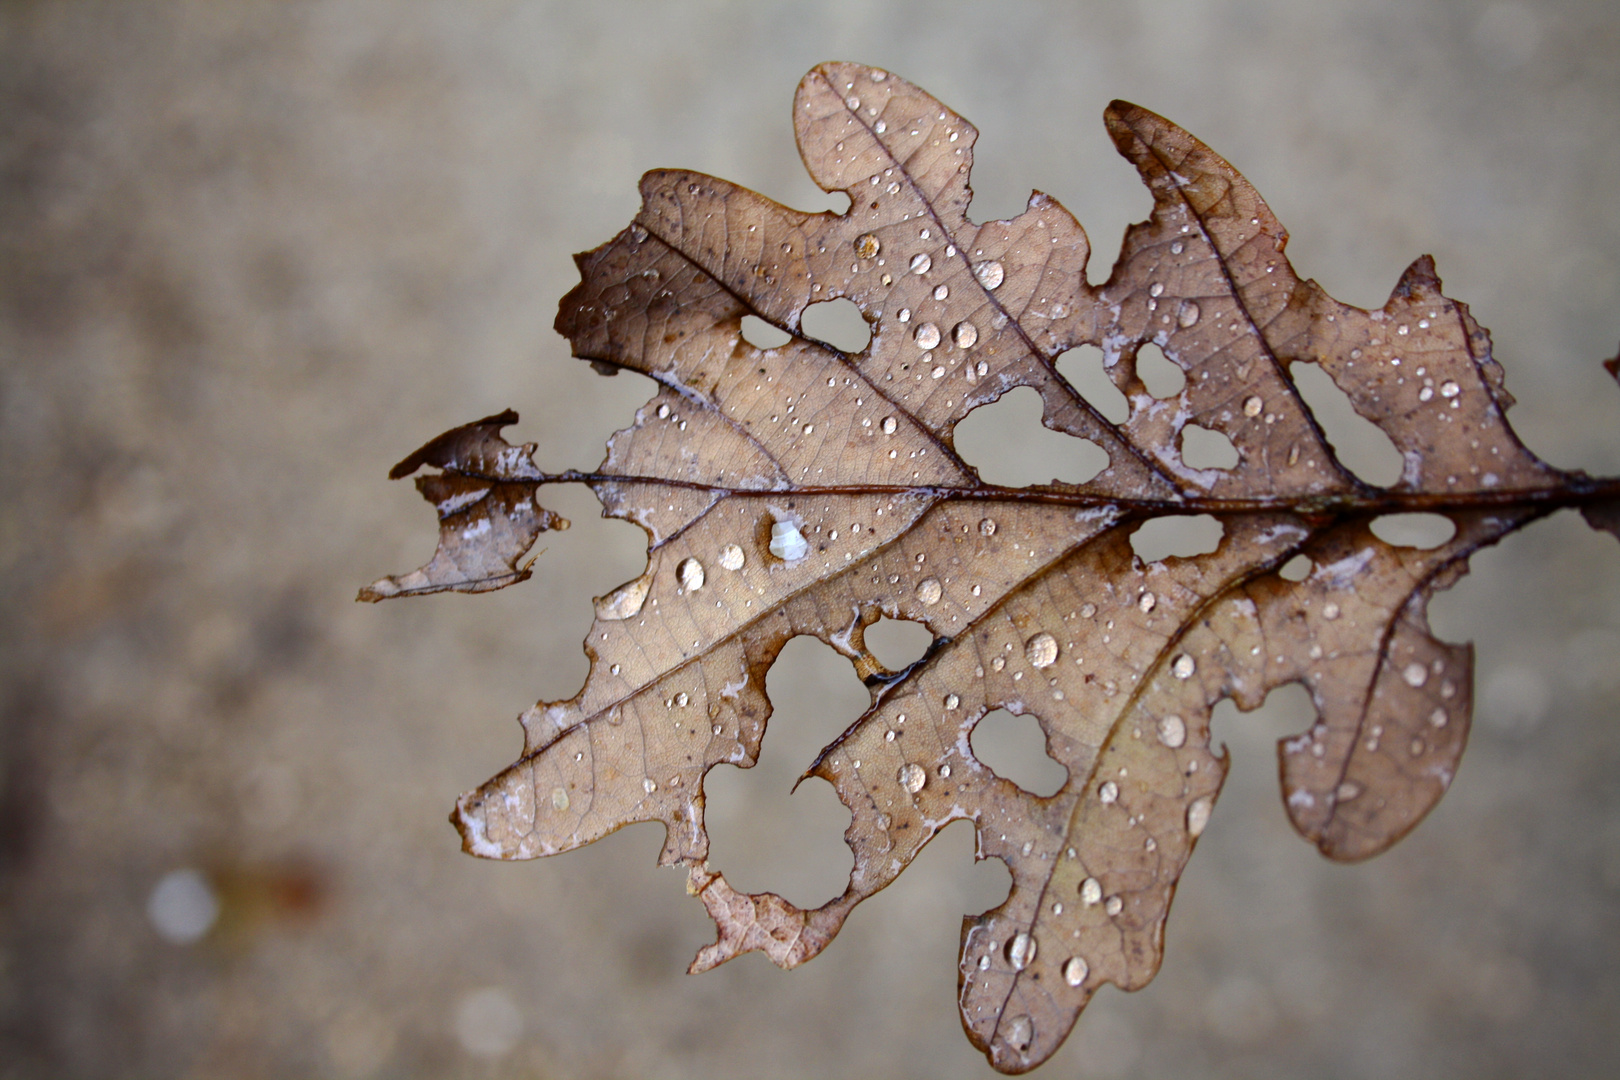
(1021, 951)
(1108, 793)
(1172, 731)
(182, 906)
(1330, 611)
(881, 126)
(927, 336)
(663, 412)
(952, 701)
(1114, 905)
(920, 263)
(690, 572)
(1253, 406)
(1347, 791)
(1438, 718)
(1087, 610)
(1020, 1033)
(987, 527)
(559, 799)
(1449, 389)
(488, 1023)
(888, 425)
(681, 699)
(1090, 891)
(942, 292)
(989, 274)
(1188, 315)
(731, 557)
(966, 335)
(787, 543)
(929, 591)
(912, 777)
(1042, 650)
(624, 602)
(1156, 289)
(1147, 601)
(1198, 815)
(1415, 674)
(649, 785)
(1075, 970)
(1177, 247)
(867, 245)
(1183, 666)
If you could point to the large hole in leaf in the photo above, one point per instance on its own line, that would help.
(1162, 378)
(1014, 748)
(762, 335)
(1252, 738)
(926, 903)
(898, 643)
(1414, 530)
(1360, 445)
(1183, 536)
(1202, 448)
(763, 834)
(1082, 368)
(1007, 443)
(838, 323)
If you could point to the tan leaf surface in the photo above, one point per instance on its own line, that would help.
(803, 490)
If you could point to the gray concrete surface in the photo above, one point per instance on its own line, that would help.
(253, 253)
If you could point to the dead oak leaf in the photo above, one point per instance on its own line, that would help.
(803, 490)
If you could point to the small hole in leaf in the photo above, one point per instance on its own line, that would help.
(898, 642)
(1162, 378)
(838, 323)
(766, 834)
(1182, 536)
(762, 335)
(1295, 569)
(1202, 448)
(1414, 530)
(1360, 445)
(1014, 748)
(1082, 368)
(1006, 441)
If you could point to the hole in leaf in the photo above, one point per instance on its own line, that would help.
(898, 642)
(1295, 569)
(1082, 368)
(838, 323)
(1252, 739)
(1006, 441)
(764, 834)
(1014, 748)
(1414, 530)
(1162, 378)
(1180, 535)
(1360, 445)
(762, 335)
(1202, 448)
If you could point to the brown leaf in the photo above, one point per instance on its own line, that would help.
(802, 490)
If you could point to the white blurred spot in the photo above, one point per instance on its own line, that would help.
(488, 1023)
(182, 906)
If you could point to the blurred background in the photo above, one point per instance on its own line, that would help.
(251, 254)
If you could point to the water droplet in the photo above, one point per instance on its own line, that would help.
(1177, 247)
(787, 543)
(731, 557)
(1438, 718)
(927, 336)
(663, 412)
(881, 126)
(1449, 389)
(867, 245)
(649, 785)
(1415, 674)
(637, 233)
(998, 663)
(912, 777)
(1183, 666)
(1188, 315)
(691, 574)
(1020, 1033)
(1330, 611)
(1156, 289)
(1253, 406)
(984, 962)
(966, 335)
(1198, 815)
(888, 425)
(1146, 602)
(1172, 731)
(1087, 610)
(920, 263)
(1108, 793)
(1114, 905)
(182, 906)
(1426, 394)
(1347, 791)
(1021, 951)
(945, 772)
(929, 591)
(989, 274)
(952, 701)
(1075, 970)
(681, 699)
(1042, 650)
(624, 602)
(1090, 891)
(559, 799)
(987, 527)
(942, 292)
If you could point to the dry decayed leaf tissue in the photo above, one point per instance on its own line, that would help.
(805, 490)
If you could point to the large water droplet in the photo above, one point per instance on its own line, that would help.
(1198, 815)
(1147, 602)
(1114, 905)
(1415, 674)
(1172, 731)
(1090, 891)
(1449, 389)
(1253, 406)
(942, 292)
(1020, 1032)
(987, 527)
(1042, 650)
(1183, 666)
(731, 557)
(1075, 970)
(691, 574)
(559, 799)
(952, 701)
(867, 245)
(624, 602)
(1108, 793)
(920, 263)
(929, 591)
(1021, 951)
(787, 543)
(989, 274)
(1188, 315)
(912, 777)
(888, 425)
(966, 335)
(927, 336)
